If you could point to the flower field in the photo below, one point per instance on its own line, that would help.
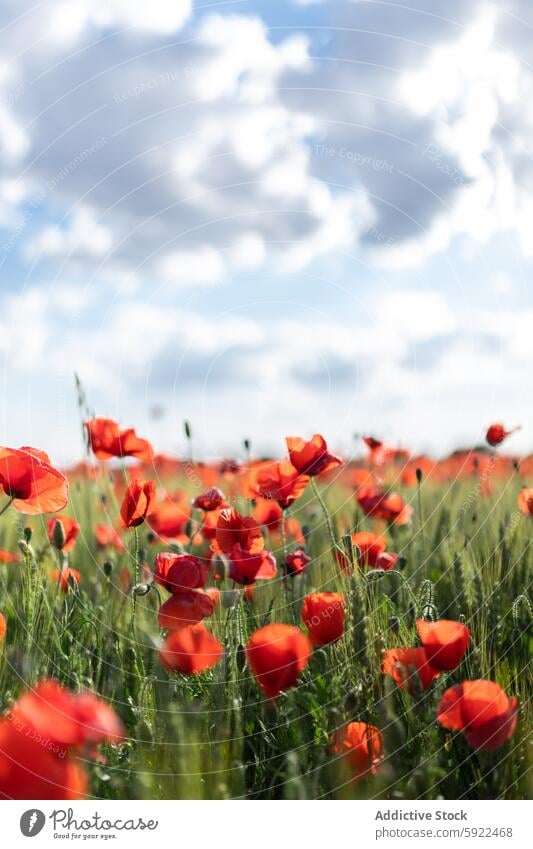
(301, 627)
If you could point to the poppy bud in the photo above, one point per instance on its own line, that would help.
(58, 534)
(247, 444)
(27, 533)
(187, 429)
(141, 589)
(418, 474)
(107, 567)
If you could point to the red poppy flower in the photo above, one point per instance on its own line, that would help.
(234, 529)
(277, 654)
(311, 458)
(445, 642)
(408, 667)
(107, 536)
(387, 561)
(108, 440)
(211, 499)
(186, 607)
(496, 434)
(8, 556)
(191, 650)
(297, 561)
(29, 769)
(70, 532)
(269, 514)
(69, 719)
(279, 481)
(245, 568)
(169, 518)
(370, 547)
(64, 577)
(481, 710)
(323, 615)
(3, 626)
(35, 486)
(177, 572)
(137, 503)
(381, 505)
(361, 746)
(525, 501)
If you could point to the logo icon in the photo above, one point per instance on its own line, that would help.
(32, 822)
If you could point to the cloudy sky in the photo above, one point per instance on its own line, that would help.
(266, 217)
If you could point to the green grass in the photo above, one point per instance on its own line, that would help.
(215, 736)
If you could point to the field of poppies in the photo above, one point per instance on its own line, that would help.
(305, 627)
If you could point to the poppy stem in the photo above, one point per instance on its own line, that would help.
(421, 517)
(326, 514)
(6, 506)
(283, 534)
(136, 573)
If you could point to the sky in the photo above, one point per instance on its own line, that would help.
(267, 218)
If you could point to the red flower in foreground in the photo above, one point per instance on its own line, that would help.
(106, 536)
(177, 572)
(481, 710)
(280, 481)
(408, 667)
(108, 440)
(323, 615)
(496, 434)
(69, 532)
(277, 654)
(361, 746)
(191, 650)
(3, 626)
(445, 642)
(186, 607)
(40, 736)
(137, 503)
(65, 577)
(70, 719)
(30, 770)
(381, 505)
(236, 530)
(297, 561)
(525, 501)
(35, 486)
(311, 458)
(209, 500)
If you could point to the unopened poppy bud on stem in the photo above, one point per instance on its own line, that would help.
(59, 536)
